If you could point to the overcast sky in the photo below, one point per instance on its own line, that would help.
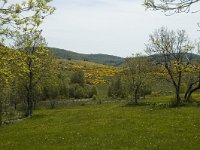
(116, 27)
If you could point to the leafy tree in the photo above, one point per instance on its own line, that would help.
(137, 74)
(19, 17)
(172, 50)
(179, 6)
(19, 28)
(20, 23)
(37, 63)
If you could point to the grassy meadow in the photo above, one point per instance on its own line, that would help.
(57, 99)
(106, 126)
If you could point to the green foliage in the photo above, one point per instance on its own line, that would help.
(10, 68)
(51, 92)
(78, 78)
(118, 88)
(9, 64)
(21, 17)
(79, 92)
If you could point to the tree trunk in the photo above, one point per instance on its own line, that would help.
(30, 90)
(30, 95)
(190, 90)
(30, 99)
(29, 105)
(136, 96)
(28, 108)
(178, 98)
(15, 105)
(187, 93)
(1, 112)
(188, 98)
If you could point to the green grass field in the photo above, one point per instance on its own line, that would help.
(106, 127)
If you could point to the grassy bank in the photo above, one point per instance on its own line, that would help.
(107, 126)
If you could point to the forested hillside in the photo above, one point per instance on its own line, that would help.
(186, 57)
(98, 58)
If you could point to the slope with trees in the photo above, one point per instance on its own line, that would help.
(97, 58)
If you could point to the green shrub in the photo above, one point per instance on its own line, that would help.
(79, 92)
(118, 88)
(92, 91)
(78, 78)
(94, 97)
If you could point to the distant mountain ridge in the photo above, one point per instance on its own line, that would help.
(97, 58)
(104, 58)
(186, 57)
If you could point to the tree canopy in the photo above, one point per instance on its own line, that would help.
(17, 18)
